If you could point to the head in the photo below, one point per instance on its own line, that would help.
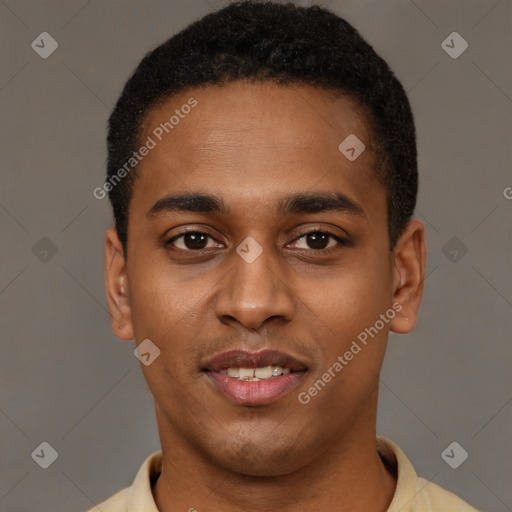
(248, 224)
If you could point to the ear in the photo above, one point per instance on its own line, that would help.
(117, 286)
(409, 257)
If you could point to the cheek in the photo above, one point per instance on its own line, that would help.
(344, 306)
(156, 305)
(170, 310)
(152, 315)
(350, 299)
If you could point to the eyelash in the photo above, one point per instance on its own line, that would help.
(341, 241)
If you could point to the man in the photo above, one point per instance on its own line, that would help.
(263, 176)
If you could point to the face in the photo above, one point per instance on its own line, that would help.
(254, 242)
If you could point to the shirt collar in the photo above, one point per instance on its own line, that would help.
(398, 463)
(140, 498)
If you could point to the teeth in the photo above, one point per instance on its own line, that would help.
(245, 373)
(263, 373)
(256, 374)
(233, 372)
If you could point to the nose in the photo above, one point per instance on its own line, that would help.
(254, 292)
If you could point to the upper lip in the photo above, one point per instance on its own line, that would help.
(246, 359)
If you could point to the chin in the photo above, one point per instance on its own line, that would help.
(266, 468)
(260, 459)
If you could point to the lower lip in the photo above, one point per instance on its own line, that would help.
(260, 392)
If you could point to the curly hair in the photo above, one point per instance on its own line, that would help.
(285, 44)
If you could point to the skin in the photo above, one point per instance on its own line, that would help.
(253, 145)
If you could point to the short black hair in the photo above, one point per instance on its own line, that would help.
(281, 43)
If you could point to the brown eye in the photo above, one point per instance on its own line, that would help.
(195, 240)
(318, 240)
(191, 241)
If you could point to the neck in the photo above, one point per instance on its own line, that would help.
(349, 476)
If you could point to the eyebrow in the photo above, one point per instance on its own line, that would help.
(315, 202)
(312, 202)
(188, 202)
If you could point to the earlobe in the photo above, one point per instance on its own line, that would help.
(409, 258)
(117, 286)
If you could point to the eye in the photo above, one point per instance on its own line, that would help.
(191, 241)
(319, 240)
(195, 241)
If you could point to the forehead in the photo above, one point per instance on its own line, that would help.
(300, 115)
(255, 140)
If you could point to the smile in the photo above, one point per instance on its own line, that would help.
(261, 378)
(256, 374)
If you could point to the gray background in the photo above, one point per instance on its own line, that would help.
(66, 380)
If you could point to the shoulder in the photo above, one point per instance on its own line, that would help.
(413, 493)
(139, 495)
(433, 497)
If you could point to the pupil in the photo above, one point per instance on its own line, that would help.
(318, 240)
(195, 240)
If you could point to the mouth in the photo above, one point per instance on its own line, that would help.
(256, 378)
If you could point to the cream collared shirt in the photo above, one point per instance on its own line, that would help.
(412, 494)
